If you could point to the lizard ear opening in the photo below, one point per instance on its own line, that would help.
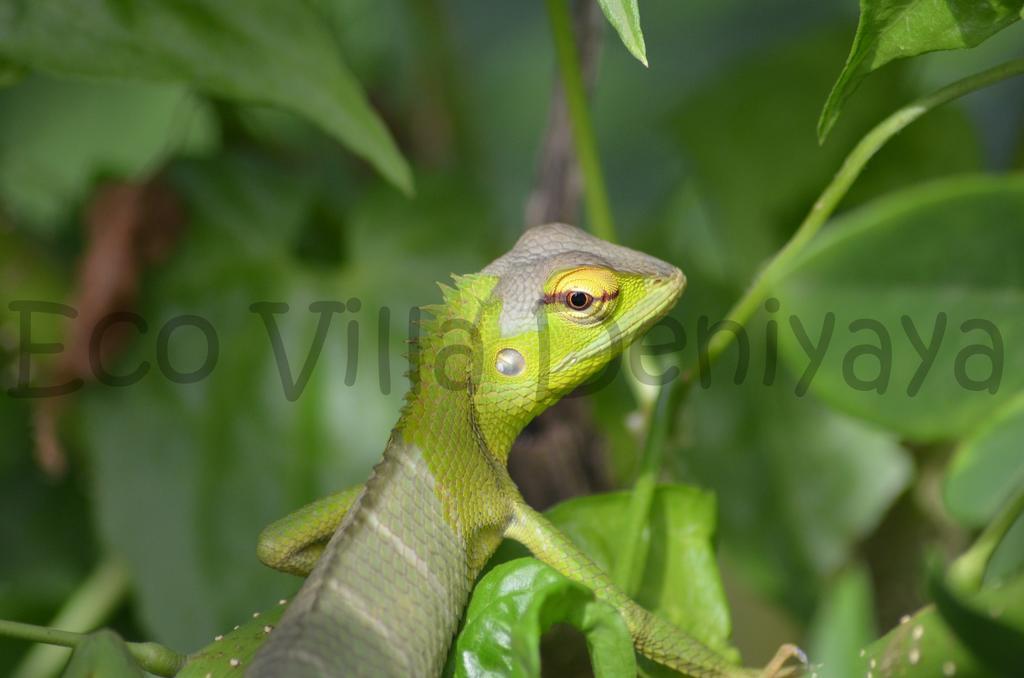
(510, 362)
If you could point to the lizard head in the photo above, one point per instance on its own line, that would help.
(565, 303)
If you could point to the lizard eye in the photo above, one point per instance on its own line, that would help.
(578, 300)
(585, 295)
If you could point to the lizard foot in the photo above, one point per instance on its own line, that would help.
(777, 667)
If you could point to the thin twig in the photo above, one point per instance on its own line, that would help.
(840, 184)
(558, 184)
(599, 213)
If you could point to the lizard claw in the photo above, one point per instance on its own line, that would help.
(777, 667)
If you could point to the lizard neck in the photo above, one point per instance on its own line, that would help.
(444, 421)
(442, 413)
(464, 451)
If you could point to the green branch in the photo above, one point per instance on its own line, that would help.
(968, 571)
(629, 567)
(152, 657)
(599, 212)
(86, 609)
(39, 634)
(840, 184)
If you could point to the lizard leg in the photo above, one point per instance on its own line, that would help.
(294, 543)
(653, 636)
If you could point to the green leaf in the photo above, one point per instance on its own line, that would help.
(988, 467)
(934, 270)
(997, 639)
(91, 130)
(843, 624)
(625, 17)
(229, 654)
(963, 634)
(1008, 557)
(515, 603)
(928, 640)
(278, 53)
(931, 642)
(104, 654)
(896, 29)
(680, 580)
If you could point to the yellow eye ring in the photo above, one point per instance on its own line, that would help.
(585, 295)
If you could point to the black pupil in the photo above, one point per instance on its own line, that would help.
(579, 300)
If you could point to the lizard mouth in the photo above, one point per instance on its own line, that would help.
(662, 294)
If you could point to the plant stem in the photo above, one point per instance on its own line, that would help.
(91, 604)
(630, 565)
(968, 571)
(599, 213)
(836, 190)
(595, 196)
(152, 657)
(39, 634)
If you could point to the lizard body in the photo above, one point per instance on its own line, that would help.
(387, 590)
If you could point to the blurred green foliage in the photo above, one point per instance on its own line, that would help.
(260, 123)
(931, 312)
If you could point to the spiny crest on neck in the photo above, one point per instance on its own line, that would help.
(450, 323)
(461, 306)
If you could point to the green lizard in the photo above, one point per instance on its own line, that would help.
(385, 593)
